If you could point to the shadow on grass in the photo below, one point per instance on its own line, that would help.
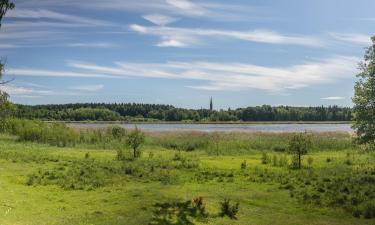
(175, 213)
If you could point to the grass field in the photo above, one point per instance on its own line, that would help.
(42, 184)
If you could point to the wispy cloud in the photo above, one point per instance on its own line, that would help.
(53, 15)
(355, 38)
(28, 27)
(333, 98)
(236, 76)
(90, 88)
(14, 90)
(188, 36)
(159, 19)
(186, 8)
(215, 75)
(52, 73)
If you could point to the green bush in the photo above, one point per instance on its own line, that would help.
(57, 134)
(265, 158)
(228, 209)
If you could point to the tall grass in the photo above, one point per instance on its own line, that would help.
(114, 137)
(244, 142)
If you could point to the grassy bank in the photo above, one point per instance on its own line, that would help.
(180, 178)
(201, 122)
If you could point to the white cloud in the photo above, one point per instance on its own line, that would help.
(171, 43)
(159, 19)
(187, 8)
(214, 75)
(333, 98)
(90, 88)
(48, 14)
(51, 73)
(236, 76)
(24, 91)
(355, 38)
(31, 26)
(188, 36)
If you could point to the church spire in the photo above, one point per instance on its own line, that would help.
(211, 105)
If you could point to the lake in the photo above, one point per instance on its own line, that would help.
(226, 127)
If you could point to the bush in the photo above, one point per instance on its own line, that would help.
(243, 165)
(265, 158)
(369, 210)
(135, 139)
(299, 145)
(199, 205)
(57, 134)
(228, 209)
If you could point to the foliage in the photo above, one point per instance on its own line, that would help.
(228, 209)
(298, 146)
(6, 108)
(135, 139)
(64, 183)
(265, 158)
(128, 111)
(364, 99)
(5, 5)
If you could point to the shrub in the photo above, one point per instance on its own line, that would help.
(117, 132)
(298, 146)
(279, 149)
(135, 139)
(199, 205)
(265, 158)
(228, 209)
(369, 210)
(120, 154)
(243, 165)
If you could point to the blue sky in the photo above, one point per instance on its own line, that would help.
(181, 52)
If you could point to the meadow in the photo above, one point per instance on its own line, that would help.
(52, 174)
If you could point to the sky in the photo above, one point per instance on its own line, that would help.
(182, 52)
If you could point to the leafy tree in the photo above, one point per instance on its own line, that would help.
(124, 111)
(364, 99)
(5, 107)
(135, 139)
(298, 146)
(5, 5)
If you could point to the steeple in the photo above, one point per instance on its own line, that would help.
(211, 105)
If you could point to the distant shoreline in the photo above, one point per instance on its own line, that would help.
(200, 122)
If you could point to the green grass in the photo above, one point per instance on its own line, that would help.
(145, 190)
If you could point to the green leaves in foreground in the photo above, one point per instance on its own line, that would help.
(364, 99)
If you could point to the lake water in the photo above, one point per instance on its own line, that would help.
(227, 127)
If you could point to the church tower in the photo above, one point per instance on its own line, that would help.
(211, 105)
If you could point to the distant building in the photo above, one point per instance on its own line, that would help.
(211, 105)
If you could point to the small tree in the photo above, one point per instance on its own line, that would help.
(5, 5)
(364, 99)
(298, 146)
(135, 139)
(5, 106)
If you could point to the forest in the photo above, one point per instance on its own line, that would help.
(155, 112)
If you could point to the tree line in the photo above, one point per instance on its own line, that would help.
(133, 111)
